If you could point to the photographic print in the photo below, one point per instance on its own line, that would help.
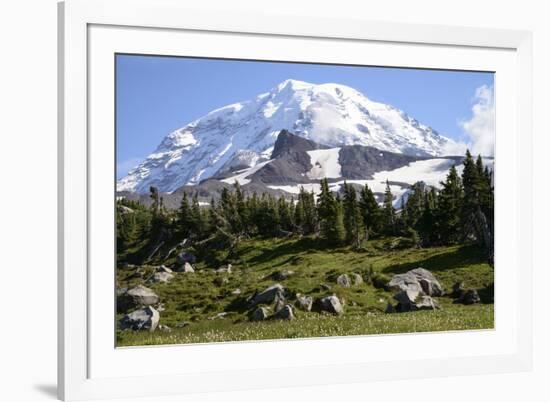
(265, 200)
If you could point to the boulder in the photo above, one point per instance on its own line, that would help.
(280, 302)
(285, 313)
(418, 278)
(259, 314)
(458, 290)
(304, 302)
(344, 281)
(470, 297)
(236, 292)
(161, 277)
(164, 328)
(186, 268)
(357, 279)
(269, 295)
(185, 257)
(408, 296)
(136, 297)
(331, 304)
(430, 285)
(146, 318)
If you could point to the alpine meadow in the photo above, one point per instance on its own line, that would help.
(309, 210)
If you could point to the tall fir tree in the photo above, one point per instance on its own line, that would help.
(330, 216)
(353, 220)
(388, 211)
(370, 211)
(450, 201)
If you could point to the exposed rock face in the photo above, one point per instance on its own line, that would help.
(285, 313)
(304, 302)
(269, 295)
(186, 268)
(344, 281)
(331, 304)
(146, 318)
(260, 314)
(136, 297)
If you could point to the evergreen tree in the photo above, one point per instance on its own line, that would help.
(388, 211)
(353, 220)
(370, 210)
(449, 201)
(330, 216)
(184, 217)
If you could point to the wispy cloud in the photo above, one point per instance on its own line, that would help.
(123, 167)
(480, 128)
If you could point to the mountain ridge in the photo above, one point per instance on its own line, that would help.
(243, 134)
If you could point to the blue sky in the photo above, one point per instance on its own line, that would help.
(156, 95)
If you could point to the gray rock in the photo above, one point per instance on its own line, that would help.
(146, 318)
(430, 285)
(186, 268)
(269, 295)
(236, 292)
(161, 277)
(280, 302)
(357, 279)
(470, 297)
(285, 313)
(331, 304)
(408, 296)
(403, 282)
(260, 314)
(344, 281)
(136, 297)
(164, 328)
(417, 278)
(304, 302)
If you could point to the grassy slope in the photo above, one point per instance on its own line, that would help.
(195, 297)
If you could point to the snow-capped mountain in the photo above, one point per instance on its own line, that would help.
(242, 135)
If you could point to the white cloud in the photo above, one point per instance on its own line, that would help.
(480, 128)
(123, 167)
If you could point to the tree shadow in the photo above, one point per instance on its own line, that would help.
(463, 256)
(303, 245)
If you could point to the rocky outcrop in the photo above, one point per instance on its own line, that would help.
(136, 297)
(146, 318)
(269, 295)
(285, 313)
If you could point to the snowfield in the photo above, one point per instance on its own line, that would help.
(241, 178)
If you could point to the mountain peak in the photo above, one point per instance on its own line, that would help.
(247, 133)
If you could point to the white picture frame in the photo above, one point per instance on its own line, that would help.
(90, 367)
